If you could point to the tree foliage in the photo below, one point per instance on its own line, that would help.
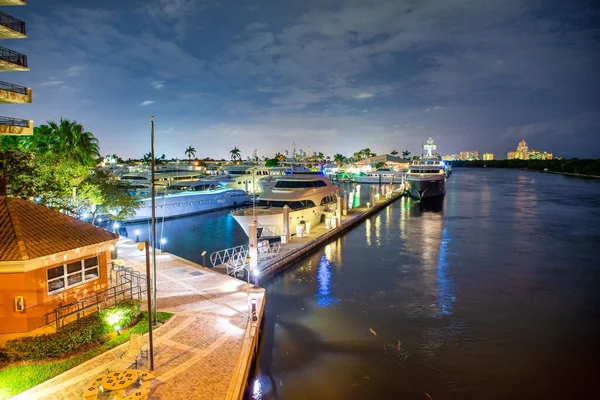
(572, 166)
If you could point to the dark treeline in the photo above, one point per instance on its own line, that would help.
(572, 166)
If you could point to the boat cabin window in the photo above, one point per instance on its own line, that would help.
(199, 188)
(294, 205)
(282, 184)
(328, 200)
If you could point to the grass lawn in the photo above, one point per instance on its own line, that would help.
(15, 379)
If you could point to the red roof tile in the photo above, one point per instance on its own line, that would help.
(29, 231)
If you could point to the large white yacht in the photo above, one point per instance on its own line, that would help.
(382, 175)
(309, 198)
(190, 197)
(247, 177)
(163, 176)
(427, 175)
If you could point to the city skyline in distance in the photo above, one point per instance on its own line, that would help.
(333, 77)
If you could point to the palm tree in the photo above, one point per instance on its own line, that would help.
(235, 154)
(320, 157)
(147, 158)
(357, 156)
(339, 159)
(405, 154)
(280, 157)
(67, 139)
(394, 152)
(190, 152)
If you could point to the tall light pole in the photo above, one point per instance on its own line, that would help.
(141, 246)
(153, 218)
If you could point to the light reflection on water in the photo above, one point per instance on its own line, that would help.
(443, 304)
(324, 297)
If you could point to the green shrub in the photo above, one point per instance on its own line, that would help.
(85, 330)
(121, 315)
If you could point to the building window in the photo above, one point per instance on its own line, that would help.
(72, 274)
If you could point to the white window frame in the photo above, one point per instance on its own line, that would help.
(83, 271)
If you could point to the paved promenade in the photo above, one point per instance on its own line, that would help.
(203, 352)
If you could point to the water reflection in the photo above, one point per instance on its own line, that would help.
(368, 231)
(445, 285)
(324, 298)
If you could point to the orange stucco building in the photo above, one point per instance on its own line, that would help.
(47, 260)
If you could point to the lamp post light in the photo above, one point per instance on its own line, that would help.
(141, 247)
(153, 186)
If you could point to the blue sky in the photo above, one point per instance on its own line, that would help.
(331, 76)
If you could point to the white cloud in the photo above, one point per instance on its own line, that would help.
(52, 83)
(146, 102)
(75, 70)
(436, 108)
(364, 95)
(158, 84)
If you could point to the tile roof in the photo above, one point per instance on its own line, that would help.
(29, 231)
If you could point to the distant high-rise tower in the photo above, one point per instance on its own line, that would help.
(10, 61)
(488, 156)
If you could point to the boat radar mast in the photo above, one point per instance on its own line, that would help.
(429, 147)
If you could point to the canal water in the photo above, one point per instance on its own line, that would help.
(491, 293)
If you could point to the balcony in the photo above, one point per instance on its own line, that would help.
(10, 60)
(14, 126)
(14, 94)
(11, 27)
(13, 2)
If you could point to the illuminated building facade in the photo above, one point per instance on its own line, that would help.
(523, 153)
(12, 61)
(488, 156)
(469, 155)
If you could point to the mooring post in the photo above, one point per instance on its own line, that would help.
(253, 248)
(286, 224)
(345, 207)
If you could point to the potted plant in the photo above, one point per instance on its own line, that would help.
(300, 229)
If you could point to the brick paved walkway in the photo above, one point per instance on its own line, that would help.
(203, 352)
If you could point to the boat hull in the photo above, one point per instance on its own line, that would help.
(186, 204)
(424, 188)
(272, 222)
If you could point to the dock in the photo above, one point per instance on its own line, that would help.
(204, 351)
(299, 247)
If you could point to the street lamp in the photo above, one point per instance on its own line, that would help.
(142, 246)
(153, 186)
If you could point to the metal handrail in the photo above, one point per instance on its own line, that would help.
(14, 122)
(11, 87)
(12, 56)
(12, 23)
(97, 301)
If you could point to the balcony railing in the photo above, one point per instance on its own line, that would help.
(12, 23)
(13, 88)
(14, 122)
(12, 56)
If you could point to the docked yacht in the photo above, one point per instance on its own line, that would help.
(427, 174)
(247, 177)
(309, 198)
(163, 176)
(382, 175)
(190, 197)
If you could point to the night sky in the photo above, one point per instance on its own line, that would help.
(332, 76)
